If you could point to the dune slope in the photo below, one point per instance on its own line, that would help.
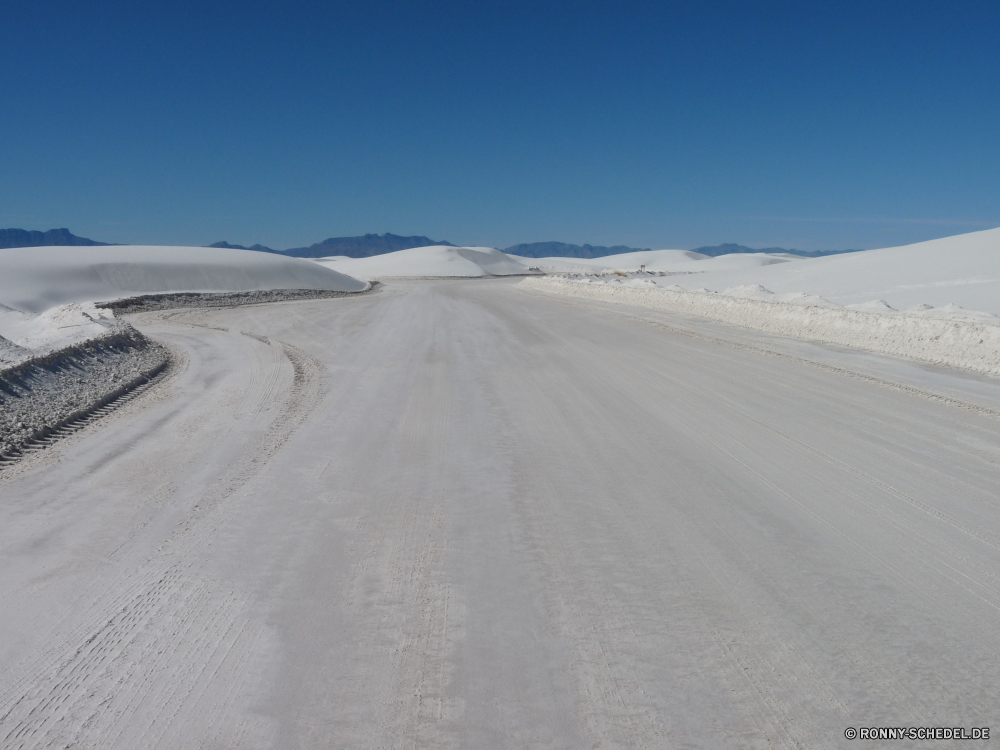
(436, 260)
(38, 278)
(963, 270)
(47, 294)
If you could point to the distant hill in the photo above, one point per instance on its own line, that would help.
(730, 247)
(258, 248)
(31, 238)
(564, 250)
(364, 246)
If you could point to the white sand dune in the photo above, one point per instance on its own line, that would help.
(47, 294)
(654, 260)
(432, 261)
(934, 301)
(56, 327)
(736, 262)
(34, 279)
(963, 270)
(666, 261)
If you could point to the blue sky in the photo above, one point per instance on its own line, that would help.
(807, 125)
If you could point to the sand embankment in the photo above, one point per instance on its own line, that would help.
(45, 393)
(965, 344)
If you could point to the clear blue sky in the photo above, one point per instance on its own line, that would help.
(807, 125)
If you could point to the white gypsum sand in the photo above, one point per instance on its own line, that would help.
(956, 343)
(669, 261)
(651, 258)
(434, 262)
(952, 288)
(962, 270)
(35, 279)
(47, 294)
(61, 356)
(460, 516)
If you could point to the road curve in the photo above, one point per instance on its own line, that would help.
(458, 514)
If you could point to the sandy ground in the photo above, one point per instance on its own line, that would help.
(465, 515)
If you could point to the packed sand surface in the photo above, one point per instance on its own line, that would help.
(457, 514)
(47, 294)
(435, 262)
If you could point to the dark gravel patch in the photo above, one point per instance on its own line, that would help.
(153, 302)
(49, 391)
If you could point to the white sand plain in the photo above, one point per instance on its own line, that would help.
(455, 514)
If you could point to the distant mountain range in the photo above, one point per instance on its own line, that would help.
(26, 238)
(367, 245)
(364, 246)
(729, 248)
(258, 248)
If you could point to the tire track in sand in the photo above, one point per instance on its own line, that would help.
(128, 670)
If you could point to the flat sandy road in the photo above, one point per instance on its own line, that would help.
(461, 515)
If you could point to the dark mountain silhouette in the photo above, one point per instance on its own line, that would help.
(728, 248)
(361, 247)
(32, 238)
(367, 245)
(564, 250)
(258, 248)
